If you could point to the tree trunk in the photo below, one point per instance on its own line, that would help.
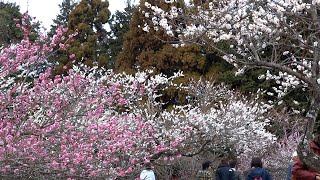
(306, 155)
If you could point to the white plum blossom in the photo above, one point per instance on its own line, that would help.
(169, 1)
(276, 35)
(285, 53)
(148, 5)
(315, 2)
(146, 28)
(228, 17)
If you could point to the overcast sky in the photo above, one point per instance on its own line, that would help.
(46, 10)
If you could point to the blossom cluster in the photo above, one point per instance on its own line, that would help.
(95, 123)
(272, 34)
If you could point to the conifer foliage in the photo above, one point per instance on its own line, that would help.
(119, 26)
(87, 20)
(9, 33)
(62, 18)
(142, 50)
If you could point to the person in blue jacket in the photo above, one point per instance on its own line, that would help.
(257, 172)
(222, 172)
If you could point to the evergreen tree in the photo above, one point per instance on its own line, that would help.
(150, 50)
(63, 17)
(87, 19)
(10, 20)
(119, 25)
(9, 33)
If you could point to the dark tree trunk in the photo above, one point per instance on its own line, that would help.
(306, 155)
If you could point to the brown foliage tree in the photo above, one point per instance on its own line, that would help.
(87, 19)
(151, 50)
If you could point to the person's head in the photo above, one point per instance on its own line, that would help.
(225, 160)
(256, 162)
(232, 163)
(148, 165)
(206, 165)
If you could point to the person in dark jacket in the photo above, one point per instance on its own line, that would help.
(300, 170)
(257, 171)
(222, 172)
(234, 174)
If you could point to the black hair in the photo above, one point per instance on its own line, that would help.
(206, 164)
(232, 163)
(225, 160)
(256, 162)
(148, 165)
